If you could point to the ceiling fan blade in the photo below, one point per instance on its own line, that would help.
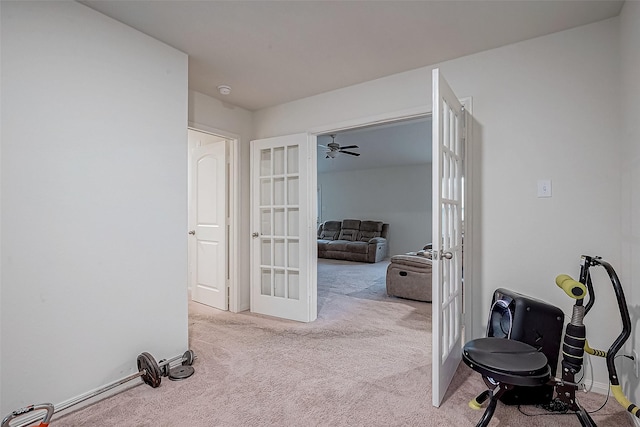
(349, 146)
(323, 146)
(349, 152)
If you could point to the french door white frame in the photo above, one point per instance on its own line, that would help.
(233, 216)
(413, 113)
(297, 154)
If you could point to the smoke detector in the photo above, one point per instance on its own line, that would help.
(224, 89)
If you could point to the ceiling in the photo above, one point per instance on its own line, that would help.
(271, 52)
(394, 144)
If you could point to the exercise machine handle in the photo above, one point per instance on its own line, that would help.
(572, 288)
(616, 389)
(624, 314)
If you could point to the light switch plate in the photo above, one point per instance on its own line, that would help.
(544, 188)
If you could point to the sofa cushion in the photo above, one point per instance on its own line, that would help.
(412, 260)
(350, 229)
(369, 230)
(371, 226)
(365, 236)
(351, 223)
(358, 247)
(337, 245)
(330, 230)
(323, 245)
(348, 234)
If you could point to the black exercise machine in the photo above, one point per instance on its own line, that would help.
(507, 364)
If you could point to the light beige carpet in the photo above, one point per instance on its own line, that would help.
(366, 361)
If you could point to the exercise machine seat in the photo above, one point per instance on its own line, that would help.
(507, 361)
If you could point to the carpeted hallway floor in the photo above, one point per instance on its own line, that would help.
(366, 361)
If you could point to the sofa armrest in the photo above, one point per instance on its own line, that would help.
(377, 240)
(377, 249)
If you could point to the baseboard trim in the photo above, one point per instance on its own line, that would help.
(600, 388)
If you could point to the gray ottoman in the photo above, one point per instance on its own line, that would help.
(409, 276)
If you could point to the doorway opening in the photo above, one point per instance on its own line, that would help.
(389, 181)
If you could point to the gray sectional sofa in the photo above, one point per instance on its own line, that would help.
(353, 240)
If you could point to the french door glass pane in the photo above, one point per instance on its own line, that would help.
(280, 283)
(279, 222)
(293, 187)
(293, 257)
(265, 281)
(278, 192)
(265, 251)
(265, 162)
(265, 192)
(278, 161)
(293, 224)
(279, 253)
(292, 159)
(265, 222)
(294, 285)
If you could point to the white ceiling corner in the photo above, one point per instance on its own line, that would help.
(271, 52)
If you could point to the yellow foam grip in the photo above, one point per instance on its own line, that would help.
(573, 288)
(593, 351)
(475, 405)
(622, 400)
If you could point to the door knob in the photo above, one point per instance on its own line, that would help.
(255, 234)
(192, 232)
(447, 255)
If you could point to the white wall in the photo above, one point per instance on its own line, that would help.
(549, 108)
(546, 108)
(399, 196)
(399, 92)
(211, 115)
(630, 183)
(208, 112)
(94, 196)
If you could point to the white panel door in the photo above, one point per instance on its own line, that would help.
(209, 204)
(283, 228)
(448, 170)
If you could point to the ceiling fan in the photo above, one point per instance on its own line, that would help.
(333, 148)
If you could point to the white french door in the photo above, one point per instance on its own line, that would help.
(283, 227)
(209, 235)
(448, 171)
